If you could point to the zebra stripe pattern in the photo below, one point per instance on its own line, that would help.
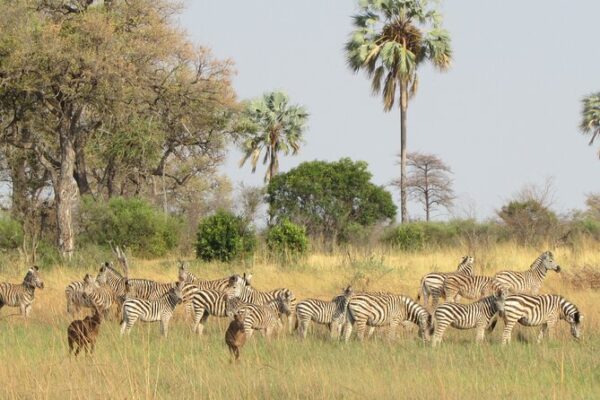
(480, 315)
(219, 284)
(100, 297)
(469, 287)
(138, 288)
(21, 295)
(432, 284)
(332, 313)
(151, 310)
(385, 309)
(75, 297)
(528, 282)
(545, 310)
(252, 296)
(265, 317)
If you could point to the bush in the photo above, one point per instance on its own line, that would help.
(11, 233)
(529, 221)
(406, 236)
(133, 223)
(287, 239)
(224, 237)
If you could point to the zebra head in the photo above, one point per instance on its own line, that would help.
(176, 292)
(89, 284)
(235, 286)
(247, 277)
(466, 265)
(576, 321)
(341, 302)
(184, 274)
(425, 322)
(284, 302)
(499, 298)
(547, 261)
(102, 276)
(33, 279)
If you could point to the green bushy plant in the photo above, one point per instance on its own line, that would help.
(287, 239)
(406, 236)
(11, 233)
(224, 237)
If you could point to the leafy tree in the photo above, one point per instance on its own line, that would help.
(287, 239)
(529, 221)
(326, 197)
(590, 117)
(391, 38)
(272, 125)
(224, 237)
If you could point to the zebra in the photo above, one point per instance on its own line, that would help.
(432, 284)
(219, 284)
(384, 309)
(21, 295)
(252, 296)
(544, 310)
(151, 310)
(469, 287)
(138, 288)
(266, 317)
(481, 315)
(527, 282)
(75, 298)
(97, 295)
(332, 313)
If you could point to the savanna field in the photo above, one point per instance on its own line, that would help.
(35, 362)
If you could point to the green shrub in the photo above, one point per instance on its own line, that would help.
(287, 239)
(406, 236)
(224, 237)
(133, 223)
(11, 233)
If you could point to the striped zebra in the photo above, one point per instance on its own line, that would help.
(266, 317)
(75, 298)
(481, 315)
(218, 284)
(527, 282)
(97, 295)
(151, 310)
(252, 296)
(21, 295)
(469, 287)
(384, 309)
(138, 288)
(544, 310)
(332, 313)
(432, 284)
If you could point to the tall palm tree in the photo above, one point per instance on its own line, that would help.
(274, 126)
(590, 121)
(391, 38)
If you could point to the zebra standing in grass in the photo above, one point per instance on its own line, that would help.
(252, 296)
(21, 295)
(469, 287)
(528, 282)
(432, 284)
(266, 317)
(151, 310)
(384, 309)
(97, 295)
(75, 297)
(332, 313)
(218, 284)
(138, 288)
(544, 310)
(481, 315)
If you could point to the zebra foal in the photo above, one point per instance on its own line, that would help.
(432, 284)
(265, 317)
(332, 313)
(21, 295)
(97, 295)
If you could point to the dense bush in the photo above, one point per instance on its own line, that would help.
(406, 236)
(287, 239)
(133, 223)
(529, 221)
(224, 237)
(11, 233)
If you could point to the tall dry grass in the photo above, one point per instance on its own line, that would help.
(34, 362)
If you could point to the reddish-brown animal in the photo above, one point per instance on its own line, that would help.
(235, 337)
(83, 333)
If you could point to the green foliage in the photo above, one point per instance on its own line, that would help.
(224, 237)
(326, 197)
(11, 233)
(287, 239)
(590, 116)
(529, 221)
(407, 237)
(133, 223)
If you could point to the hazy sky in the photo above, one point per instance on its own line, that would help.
(505, 115)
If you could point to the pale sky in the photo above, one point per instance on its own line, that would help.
(505, 115)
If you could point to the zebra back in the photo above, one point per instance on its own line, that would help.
(470, 287)
(433, 283)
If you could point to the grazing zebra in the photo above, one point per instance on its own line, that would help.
(530, 281)
(75, 298)
(252, 296)
(432, 284)
(384, 309)
(544, 310)
(332, 313)
(21, 295)
(219, 284)
(151, 310)
(98, 296)
(480, 315)
(266, 317)
(469, 287)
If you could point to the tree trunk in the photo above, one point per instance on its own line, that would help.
(65, 197)
(427, 205)
(80, 174)
(272, 164)
(403, 110)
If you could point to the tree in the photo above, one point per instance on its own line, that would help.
(328, 197)
(271, 125)
(429, 182)
(590, 117)
(529, 221)
(391, 38)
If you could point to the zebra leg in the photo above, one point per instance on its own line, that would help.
(291, 322)
(303, 325)
(164, 326)
(440, 328)
(508, 327)
(360, 329)
(370, 332)
(480, 332)
(543, 331)
(347, 331)
(248, 332)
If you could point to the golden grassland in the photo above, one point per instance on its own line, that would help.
(34, 362)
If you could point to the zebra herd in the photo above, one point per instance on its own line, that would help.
(510, 296)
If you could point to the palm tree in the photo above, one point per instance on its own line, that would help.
(590, 122)
(391, 38)
(274, 126)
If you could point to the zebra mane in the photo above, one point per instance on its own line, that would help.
(538, 261)
(113, 270)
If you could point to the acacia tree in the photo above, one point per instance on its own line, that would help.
(590, 117)
(429, 182)
(271, 125)
(391, 38)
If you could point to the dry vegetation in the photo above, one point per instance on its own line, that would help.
(36, 362)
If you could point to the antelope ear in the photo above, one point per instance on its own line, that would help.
(36, 268)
